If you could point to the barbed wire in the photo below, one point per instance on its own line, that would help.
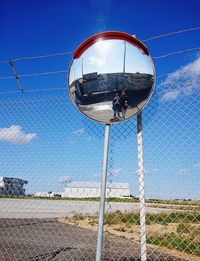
(65, 88)
(35, 57)
(66, 53)
(66, 71)
(34, 74)
(177, 52)
(172, 33)
(34, 90)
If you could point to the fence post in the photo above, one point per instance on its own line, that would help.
(141, 188)
(103, 193)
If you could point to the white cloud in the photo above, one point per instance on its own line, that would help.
(76, 135)
(117, 171)
(135, 173)
(188, 71)
(183, 172)
(96, 61)
(96, 175)
(16, 135)
(64, 179)
(154, 171)
(197, 165)
(114, 172)
(145, 172)
(79, 132)
(170, 95)
(182, 81)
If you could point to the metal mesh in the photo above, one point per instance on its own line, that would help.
(167, 226)
(44, 140)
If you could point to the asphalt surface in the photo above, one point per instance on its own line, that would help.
(36, 208)
(48, 239)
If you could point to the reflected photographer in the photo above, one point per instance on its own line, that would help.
(124, 104)
(116, 107)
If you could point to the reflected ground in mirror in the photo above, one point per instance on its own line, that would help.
(111, 81)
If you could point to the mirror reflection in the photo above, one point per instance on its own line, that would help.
(111, 81)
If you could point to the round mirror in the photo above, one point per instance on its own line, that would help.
(111, 77)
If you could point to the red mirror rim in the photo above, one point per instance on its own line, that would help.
(109, 36)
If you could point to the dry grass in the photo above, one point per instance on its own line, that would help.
(176, 233)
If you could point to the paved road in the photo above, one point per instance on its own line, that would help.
(35, 208)
(48, 239)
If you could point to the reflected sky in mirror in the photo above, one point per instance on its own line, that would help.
(107, 56)
(111, 70)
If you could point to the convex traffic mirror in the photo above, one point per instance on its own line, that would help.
(111, 77)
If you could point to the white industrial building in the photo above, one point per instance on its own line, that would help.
(92, 189)
(12, 186)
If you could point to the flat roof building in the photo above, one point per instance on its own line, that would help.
(12, 186)
(93, 189)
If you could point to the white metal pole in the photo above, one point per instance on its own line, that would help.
(103, 193)
(141, 188)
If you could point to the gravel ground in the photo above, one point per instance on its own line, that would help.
(36, 208)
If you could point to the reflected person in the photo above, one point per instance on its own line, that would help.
(123, 104)
(116, 106)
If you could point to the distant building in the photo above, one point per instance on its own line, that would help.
(96, 84)
(12, 186)
(93, 189)
(48, 194)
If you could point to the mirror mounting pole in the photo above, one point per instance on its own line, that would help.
(141, 188)
(103, 193)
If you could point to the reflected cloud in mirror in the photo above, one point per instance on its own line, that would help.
(112, 80)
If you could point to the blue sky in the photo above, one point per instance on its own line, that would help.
(54, 140)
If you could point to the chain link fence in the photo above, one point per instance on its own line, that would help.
(51, 164)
